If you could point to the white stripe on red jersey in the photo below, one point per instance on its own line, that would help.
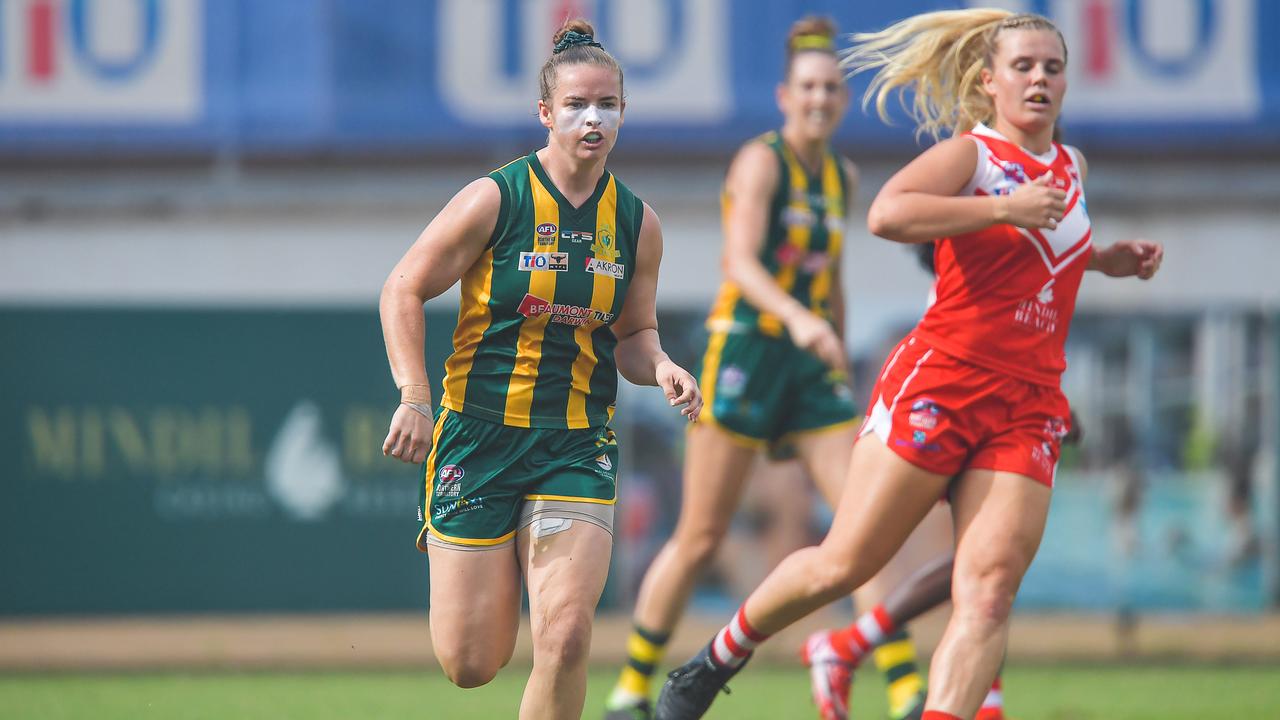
(1005, 295)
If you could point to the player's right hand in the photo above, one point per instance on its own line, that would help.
(812, 333)
(409, 438)
(1037, 204)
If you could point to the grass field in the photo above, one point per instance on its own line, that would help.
(1033, 693)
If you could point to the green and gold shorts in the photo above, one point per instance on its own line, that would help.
(483, 481)
(764, 391)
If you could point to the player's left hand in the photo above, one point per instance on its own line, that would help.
(680, 388)
(1128, 258)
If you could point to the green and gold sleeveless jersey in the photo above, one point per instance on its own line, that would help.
(533, 346)
(801, 245)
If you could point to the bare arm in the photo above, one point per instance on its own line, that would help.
(449, 245)
(920, 202)
(752, 180)
(639, 354)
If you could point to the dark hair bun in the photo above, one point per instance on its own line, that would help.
(577, 24)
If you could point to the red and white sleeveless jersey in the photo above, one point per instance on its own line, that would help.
(1004, 294)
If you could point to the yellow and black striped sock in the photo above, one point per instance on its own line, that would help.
(644, 651)
(896, 658)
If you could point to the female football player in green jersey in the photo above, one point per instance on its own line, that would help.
(559, 263)
(774, 372)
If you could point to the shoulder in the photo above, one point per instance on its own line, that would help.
(482, 195)
(956, 157)
(755, 165)
(649, 223)
(851, 173)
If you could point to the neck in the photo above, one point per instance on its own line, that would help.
(1038, 142)
(576, 179)
(808, 151)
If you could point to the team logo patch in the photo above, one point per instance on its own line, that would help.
(450, 481)
(604, 462)
(924, 415)
(544, 261)
(546, 234)
(604, 267)
(604, 247)
(576, 236)
(731, 381)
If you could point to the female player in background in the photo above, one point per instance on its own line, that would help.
(774, 372)
(974, 390)
(559, 266)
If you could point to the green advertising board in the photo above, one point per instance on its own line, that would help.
(157, 461)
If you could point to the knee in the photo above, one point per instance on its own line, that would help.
(469, 669)
(562, 638)
(834, 572)
(985, 596)
(697, 546)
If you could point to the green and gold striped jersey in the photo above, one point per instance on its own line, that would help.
(533, 346)
(801, 246)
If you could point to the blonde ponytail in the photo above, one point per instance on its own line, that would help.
(938, 57)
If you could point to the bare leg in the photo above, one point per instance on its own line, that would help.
(932, 541)
(884, 498)
(565, 573)
(1000, 519)
(475, 611)
(715, 468)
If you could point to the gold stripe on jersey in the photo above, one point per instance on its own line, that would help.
(473, 319)
(833, 193)
(542, 284)
(602, 300)
(797, 235)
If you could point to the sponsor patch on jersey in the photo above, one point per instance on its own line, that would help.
(604, 267)
(576, 236)
(546, 261)
(534, 306)
(604, 462)
(797, 217)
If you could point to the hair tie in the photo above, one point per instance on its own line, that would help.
(573, 38)
(813, 42)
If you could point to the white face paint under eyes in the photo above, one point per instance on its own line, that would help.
(577, 119)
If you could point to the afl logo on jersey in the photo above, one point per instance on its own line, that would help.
(546, 233)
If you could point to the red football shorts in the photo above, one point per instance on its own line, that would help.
(945, 415)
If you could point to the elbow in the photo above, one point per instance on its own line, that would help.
(883, 222)
(734, 268)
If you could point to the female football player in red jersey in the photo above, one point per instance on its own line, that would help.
(974, 390)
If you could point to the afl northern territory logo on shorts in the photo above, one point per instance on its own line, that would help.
(450, 481)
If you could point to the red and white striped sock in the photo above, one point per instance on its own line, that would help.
(867, 632)
(993, 704)
(735, 641)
